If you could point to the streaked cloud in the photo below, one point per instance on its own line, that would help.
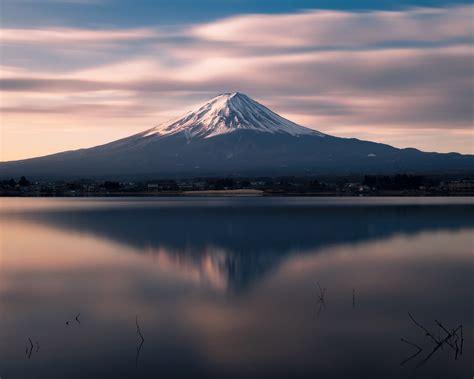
(70, 35)
(377, 75)
(341, 29)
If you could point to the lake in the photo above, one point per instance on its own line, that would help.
(236, 287)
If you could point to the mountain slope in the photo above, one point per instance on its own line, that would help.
(233, 134)
(228, 113)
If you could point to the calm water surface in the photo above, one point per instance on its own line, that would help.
(237, 287)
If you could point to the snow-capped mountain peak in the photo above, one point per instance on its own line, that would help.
(227, 113)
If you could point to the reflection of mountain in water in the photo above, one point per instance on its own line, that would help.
(237, 244)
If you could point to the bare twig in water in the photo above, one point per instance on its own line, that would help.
(142, 340)
(31, 348)
(321, 301)
(138, 329)
(458, 347)
(322, 291)
(435, 349)
(411, 356)
(427, 332)
(448, 342)
(139, 349)
(442, 327)
(411, 343)
(321, 307)
(77, 318)
(450, 339)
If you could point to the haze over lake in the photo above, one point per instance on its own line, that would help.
(234, 287)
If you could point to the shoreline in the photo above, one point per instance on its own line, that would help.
(238, 193)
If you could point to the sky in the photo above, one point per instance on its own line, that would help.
(79, 73)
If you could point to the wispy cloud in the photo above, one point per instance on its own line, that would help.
(81, 2)
(341, 29)
(378, 75)
(69, 35)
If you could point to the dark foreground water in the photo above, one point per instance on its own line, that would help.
(248, 287)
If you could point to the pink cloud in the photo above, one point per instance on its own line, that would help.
(68, 35)
(338, 72)
(333, 28)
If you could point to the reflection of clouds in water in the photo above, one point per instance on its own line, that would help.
(388, 286)
(421, 263)
(204, 267)
(231, 244)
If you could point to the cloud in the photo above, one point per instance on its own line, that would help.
(49, 85)
(363, 74)
(70, 35)
(412, 87)
(332, 28)
(82, 2)
(86, 109)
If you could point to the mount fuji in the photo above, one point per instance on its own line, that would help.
(233, 134)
